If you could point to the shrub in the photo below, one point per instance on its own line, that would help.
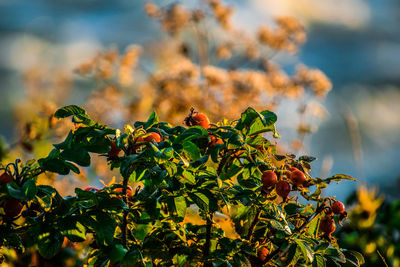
(181, 173)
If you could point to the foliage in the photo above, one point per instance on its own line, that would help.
(184, 171)
(373, 228)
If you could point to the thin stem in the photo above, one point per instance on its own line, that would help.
(125, 215)
(253, 225)
(206, 250)
(276, 251)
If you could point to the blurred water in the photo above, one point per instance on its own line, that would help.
(359, 51)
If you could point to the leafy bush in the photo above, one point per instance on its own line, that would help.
(373, 228)
(228, 170)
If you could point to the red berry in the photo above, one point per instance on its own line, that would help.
(129, 191)
(327, 225)
(12, 207)
(262, 253)
(91, 188)
(114, 150)
(269, 179)
(5, 178)
(337, 207)
(150, 137)
(297, 177)
(283, 189)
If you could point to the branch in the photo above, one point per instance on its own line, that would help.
(125, 215)
(253, 225)
(206, 249)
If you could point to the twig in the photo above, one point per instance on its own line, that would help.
(383, 259)
(125, 215)
(206, 250)
(253, 225)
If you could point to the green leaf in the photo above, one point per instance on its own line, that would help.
(194, 132)
(15, 191)
(336, 255)
(188, 176)
(29, 189)
(67, 142)
(73, 229)
(256, 123)
(269, 117)
(84, 119)
(247, 118)
(319, 261)
(153, 119)
(49, 243)
(306, 250)
(54, 165)
(355, 257)
(180, 206)
(180, 260)
(103, 225)
(141, 230)
(307, 158)
(72, 167)
(313, 226)
(201, 200)
(291, 208)
(127, 165)
(293, 255)
(339, 177)
(113, 203)
(192, 150)
(69, 111)
(117, 253)
(131, 258)
(46, 195)
(78, 155)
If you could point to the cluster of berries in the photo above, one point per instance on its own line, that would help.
(296, 177)
(327, 224)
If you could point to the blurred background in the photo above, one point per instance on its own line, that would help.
(355, 43)
(121, 59)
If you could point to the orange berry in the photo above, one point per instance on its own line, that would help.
(150, 137)
(201, 120)
(283, 189)
(269, 179)
(129, 191)
(262, 253)
(337, 207)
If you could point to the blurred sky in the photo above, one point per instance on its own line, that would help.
(355, 42)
